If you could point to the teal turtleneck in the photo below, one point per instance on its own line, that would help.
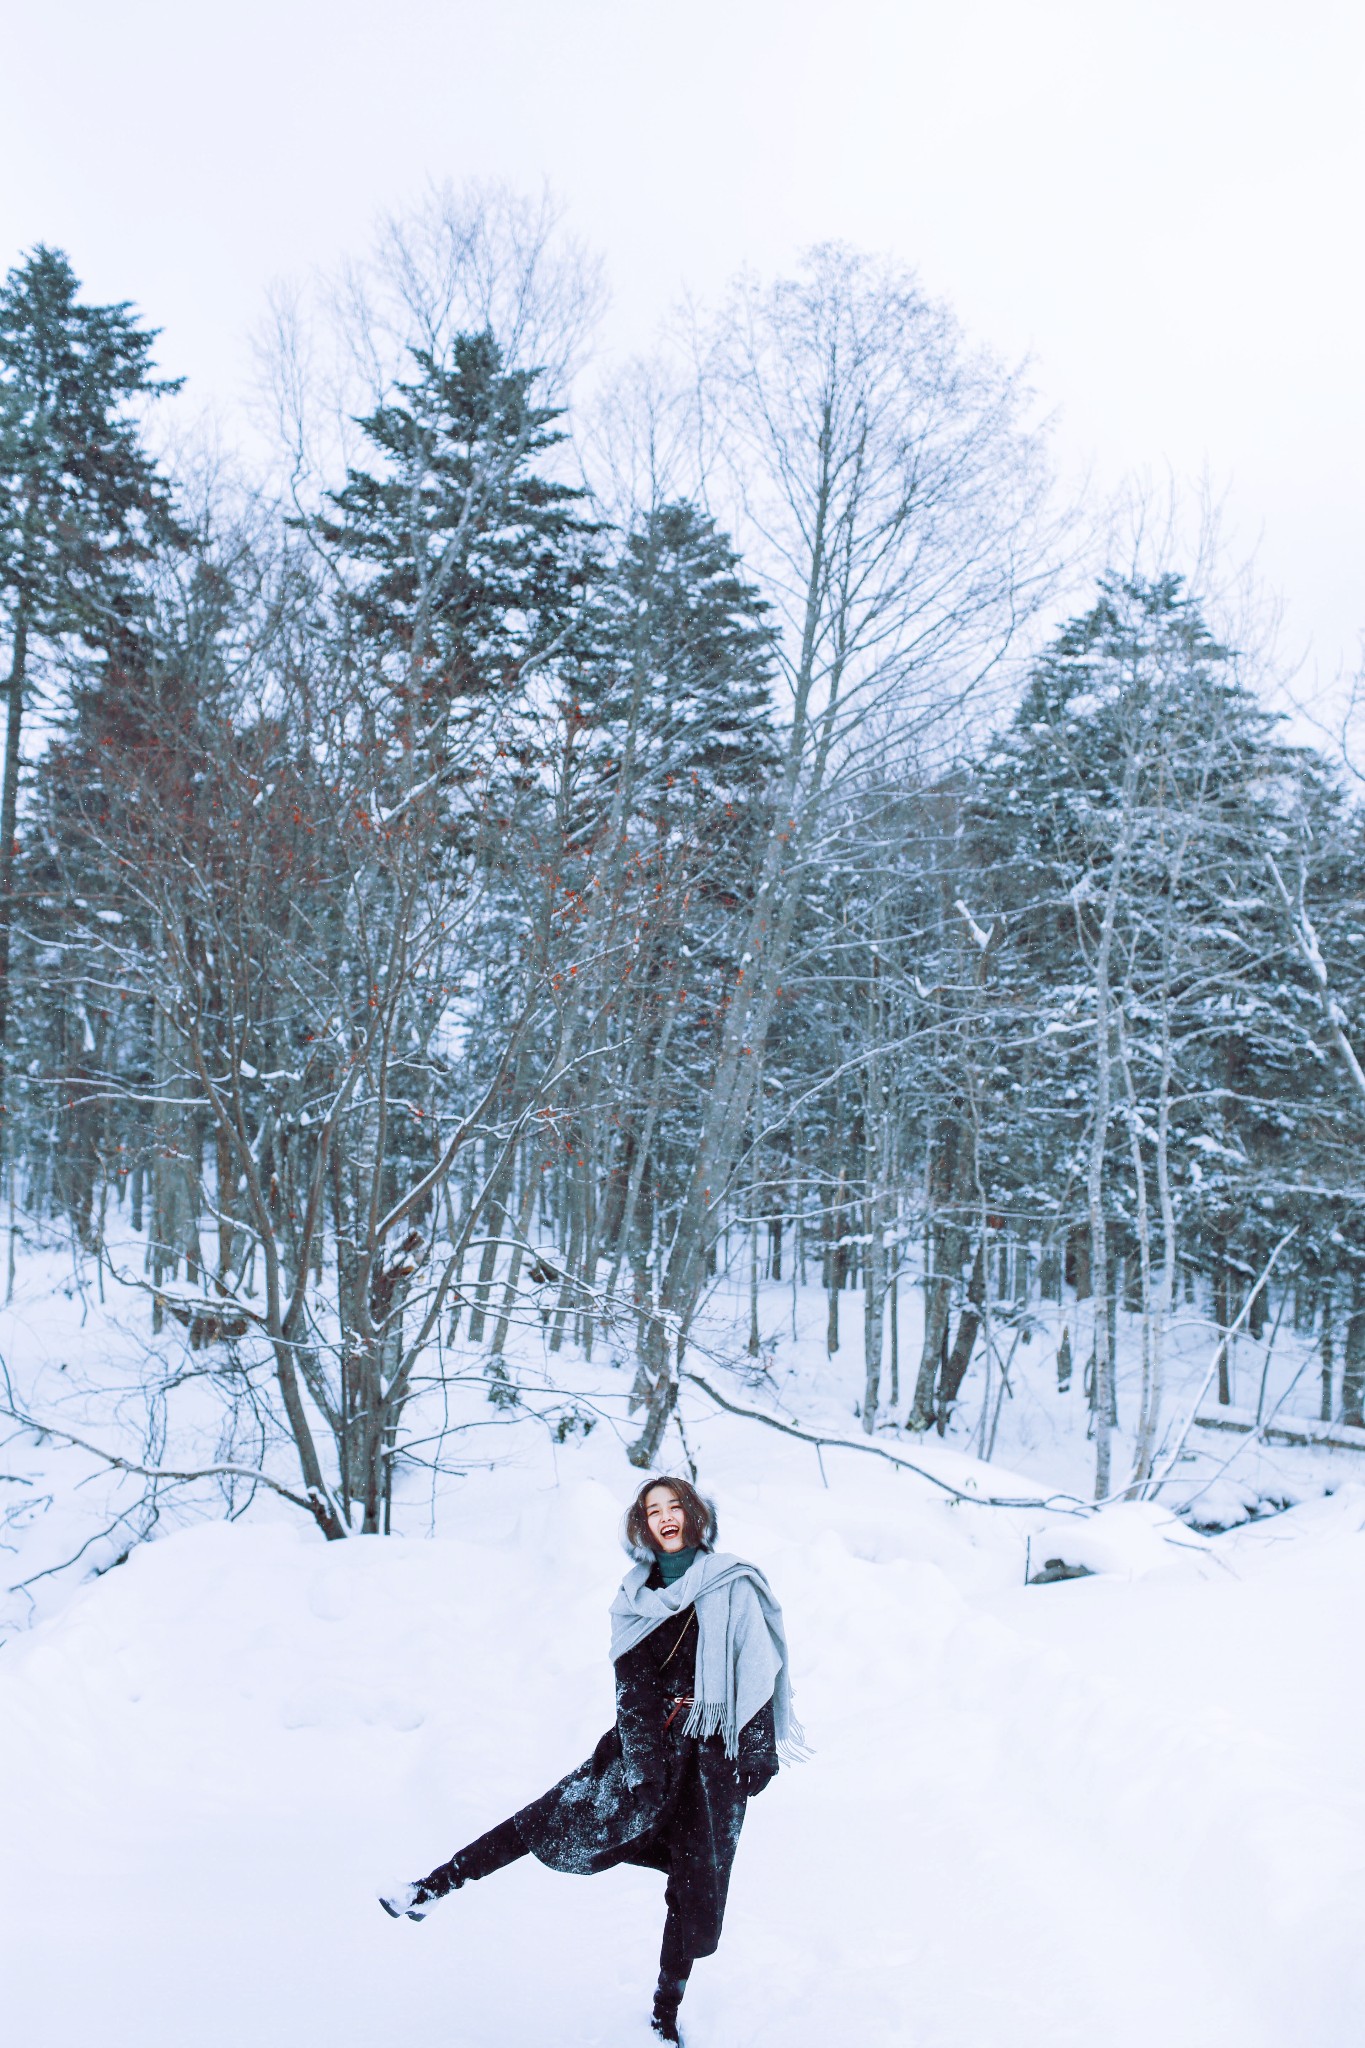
(673, 1563)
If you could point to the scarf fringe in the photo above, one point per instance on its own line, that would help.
(793, 1748)
(710, 1717)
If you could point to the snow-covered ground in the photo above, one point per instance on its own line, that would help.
(1115, 1810)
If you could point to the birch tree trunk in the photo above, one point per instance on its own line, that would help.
(1150, 1397)
(1164, 1300)
(1104, 1393)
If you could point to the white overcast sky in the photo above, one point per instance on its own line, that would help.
(1160, 202)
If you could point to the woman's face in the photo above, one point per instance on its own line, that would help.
(664, 1519)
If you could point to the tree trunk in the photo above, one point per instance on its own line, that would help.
(947, 1244)
(938, 1294)
(588, 1251)
(1105, 1409)
(523, 1225)
(639, 1165)
(319, 1499)
(9, 822)
(1164, 1301)
(876, 1121)
(1078, 1263)
(755, 1197)
(954, 1370)
(492, 1244)
(573, 1259)
(874, 1312)
(1328, 1357)
(754, 1335)
(1353, 1364)
(836, 1260)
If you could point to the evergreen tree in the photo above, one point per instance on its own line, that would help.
(686, 667)
(673, 692)
(1123, 823)
(82, 504)
(126, 762)
(464, 554)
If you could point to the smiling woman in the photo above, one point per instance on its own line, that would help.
(703, 1714)
(669, 1517)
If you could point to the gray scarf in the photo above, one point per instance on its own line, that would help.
(741, 1648)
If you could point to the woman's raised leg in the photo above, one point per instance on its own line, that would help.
(494, 1851)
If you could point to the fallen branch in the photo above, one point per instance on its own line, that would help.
(1306, 1434)
(1258, 1431)
(163, 1472)
(1064, 1502)
(53, 1571)
(1154, 1485)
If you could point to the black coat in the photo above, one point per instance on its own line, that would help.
(650, 1794)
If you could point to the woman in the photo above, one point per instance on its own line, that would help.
(703, 1713)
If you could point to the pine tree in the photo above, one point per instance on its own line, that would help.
(1123, 822)
(689, 662)
(127, 761)
(82, 504)
(463, 554)
(674, 696)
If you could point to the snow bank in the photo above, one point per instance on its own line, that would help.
(1116, 1811)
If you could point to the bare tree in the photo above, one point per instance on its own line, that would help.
(303, 947)
(891, 498)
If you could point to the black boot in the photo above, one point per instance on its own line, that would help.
(667, 1999)
(417, 1900)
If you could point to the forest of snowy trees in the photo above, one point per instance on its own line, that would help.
(513, 863)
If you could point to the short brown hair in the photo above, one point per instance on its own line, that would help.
(699, 1517)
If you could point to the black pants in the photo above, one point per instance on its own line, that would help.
(503, 1845)
(494, 1851)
